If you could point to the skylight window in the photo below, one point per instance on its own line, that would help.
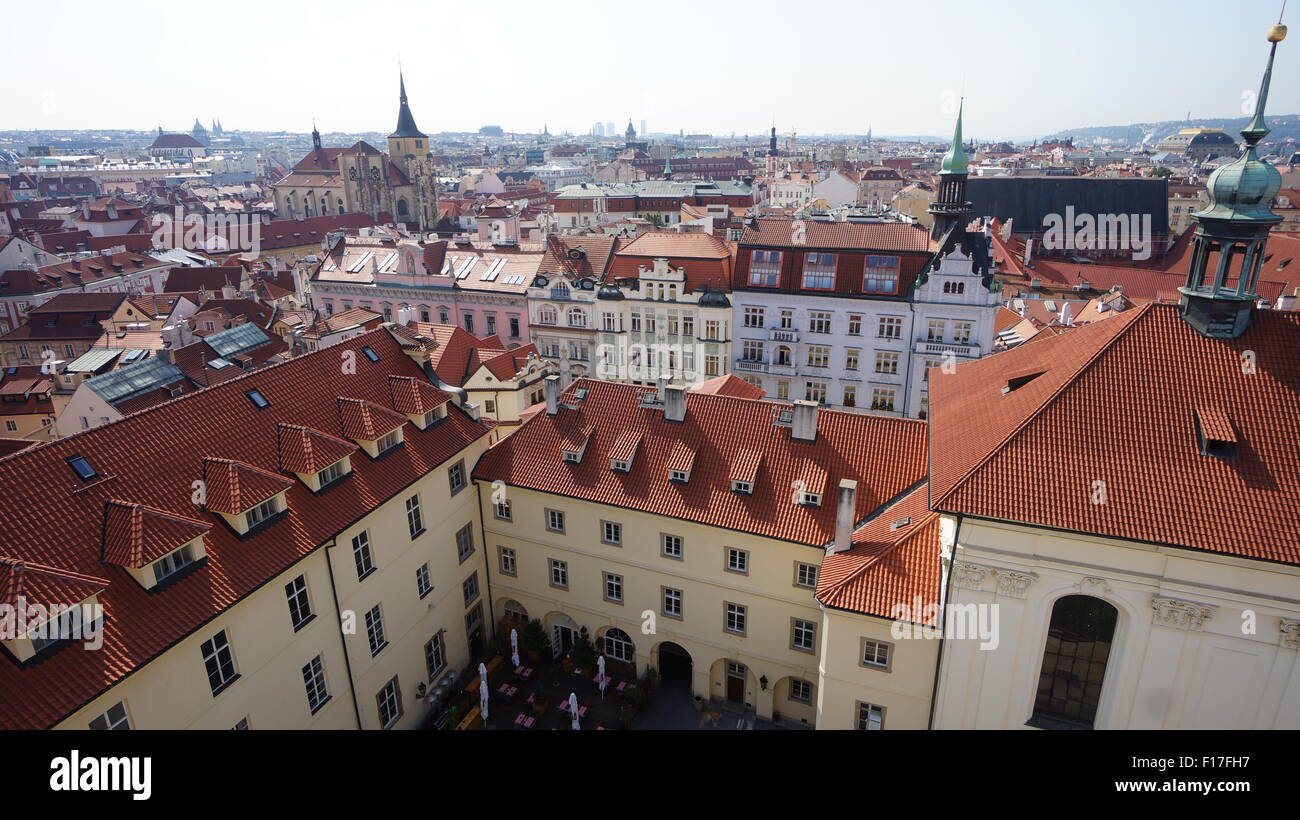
(370, 354)
(259, 401)
(82, 468)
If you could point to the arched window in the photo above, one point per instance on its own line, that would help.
(618, 645)
(546, 315)
(1074, 662)
(783, 355)
(401, 207)
(577, 318)
(443, 316)
(340, 206)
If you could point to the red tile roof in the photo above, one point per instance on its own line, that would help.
(1115, 402)
(875, 236)
(729, 385)
(365, 420)
(234, 486)
(136, 535)
(51, 518)
(706, 259)
(304, 450)
(894, 559)
(885, 456)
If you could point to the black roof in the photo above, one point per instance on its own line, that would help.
(1027, 200)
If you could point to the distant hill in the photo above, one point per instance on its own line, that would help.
(1285, 126)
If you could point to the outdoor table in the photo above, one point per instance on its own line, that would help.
(582, 709)
(506, 690)
(624, 685)
(608, 680)
(524, 722)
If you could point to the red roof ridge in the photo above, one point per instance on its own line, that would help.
(127, 544)
(307, 456)
(1118, 324)
(227, 493)
(363, 417)
(14, 582)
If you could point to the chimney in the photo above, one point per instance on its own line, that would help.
(552, 386)
(1286, 301)
(472, 410)
(674, 403)
(804, 424)
(1029, 250)
(227, 292)
(845, 511)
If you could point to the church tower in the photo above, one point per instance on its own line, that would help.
(408, 148)
(1228, 249)
(950, 208)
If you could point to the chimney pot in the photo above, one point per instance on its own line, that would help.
(552, 387)
(803, 425)
(845, 512)
(674, 402)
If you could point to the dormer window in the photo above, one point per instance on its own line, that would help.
(572, 456)
(742, 487)
(808, 499)
(262, 511)
(679, 476)
(618, 465)
(1215, 435)
(436, 414)
(172, 563)
(331, 473)
(389, 441)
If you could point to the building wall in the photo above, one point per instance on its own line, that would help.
(768, 590)
(172, 691)
(1210, 672)
(903, 689)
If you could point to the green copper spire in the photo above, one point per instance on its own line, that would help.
(668, 168)
(956, 161)
(1243, 190)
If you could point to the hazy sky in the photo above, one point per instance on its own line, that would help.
(1027, 67)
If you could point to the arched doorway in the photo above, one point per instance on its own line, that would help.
(732, 682)
(675, 666)
(564, 633)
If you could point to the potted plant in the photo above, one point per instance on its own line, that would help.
(533, 640)
(583, 653)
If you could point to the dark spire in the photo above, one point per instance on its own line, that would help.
(771, 143)
(405, 121)
(315, 136)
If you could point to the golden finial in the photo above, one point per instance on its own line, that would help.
(1277, 34)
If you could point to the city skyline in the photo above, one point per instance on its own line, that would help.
(904, 90)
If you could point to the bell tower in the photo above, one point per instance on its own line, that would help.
(950, 208)
(1228, 249)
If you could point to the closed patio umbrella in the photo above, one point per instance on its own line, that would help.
(514, 647)
(573, 709)
(483, 699)
(600, 674)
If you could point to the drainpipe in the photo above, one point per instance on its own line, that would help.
(487, 563)
(947, 596)
(338, 614)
